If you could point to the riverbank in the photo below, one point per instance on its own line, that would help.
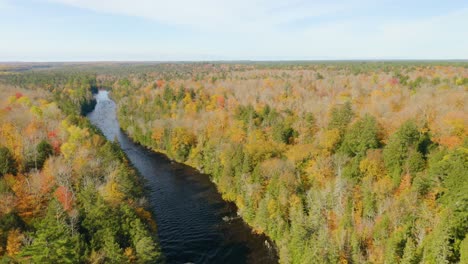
(194, 223)
(269, 242)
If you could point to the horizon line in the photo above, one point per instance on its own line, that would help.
(233, 60)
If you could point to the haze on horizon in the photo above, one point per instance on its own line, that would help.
(144, 30)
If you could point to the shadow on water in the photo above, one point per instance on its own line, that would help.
(195, 225)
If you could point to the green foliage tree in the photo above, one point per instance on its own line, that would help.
(464, 250)
(284, 133)
(361, 136)
(341, 116)
(7, 161)
(401, 145)
(101, 224)
(168, 94)
(53, 240)
(396, 245)
(414, 162)
(249, 115)
(147, 249)
(411, 254)
(451, 168)
(44, 150)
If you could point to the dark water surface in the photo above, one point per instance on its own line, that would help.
(195, 225)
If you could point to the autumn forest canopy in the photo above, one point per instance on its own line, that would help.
(336, 162)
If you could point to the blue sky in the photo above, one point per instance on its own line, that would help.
(90, 30)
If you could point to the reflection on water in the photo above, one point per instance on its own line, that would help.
(194, 224)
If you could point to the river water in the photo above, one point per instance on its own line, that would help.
(195, 225)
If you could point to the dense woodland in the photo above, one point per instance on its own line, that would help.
(336, 162)
(67, 195)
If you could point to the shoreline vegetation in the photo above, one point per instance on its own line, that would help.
(350, 162)
(268, 242)
(67, 194)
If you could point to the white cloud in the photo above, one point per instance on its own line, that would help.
(215, 15)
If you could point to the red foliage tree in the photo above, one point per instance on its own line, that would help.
(65, 197)
(220, 101)
(160, 83)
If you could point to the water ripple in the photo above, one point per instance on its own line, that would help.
(188, 209)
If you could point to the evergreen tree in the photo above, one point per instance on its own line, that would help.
(361, 136)
(397, 149)
(44, 150)
(53, 241)
(7, 161)
(341, 116)
(410, 255)
(451, 168)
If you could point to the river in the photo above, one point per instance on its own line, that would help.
(195, 225)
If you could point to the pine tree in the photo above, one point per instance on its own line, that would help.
(53, 242)
(410, 255)
(361, 136)
(7, 161)
(44, 150)
(341, 116)
(399, 145)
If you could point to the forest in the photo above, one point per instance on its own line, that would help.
(67, 195)
(336, 162)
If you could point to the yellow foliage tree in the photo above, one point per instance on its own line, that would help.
(14, 242)
(76, 136)
(157, 135)
(373, 166)
(329, 139)
(10, 138)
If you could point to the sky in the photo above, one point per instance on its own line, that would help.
(186, 30)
